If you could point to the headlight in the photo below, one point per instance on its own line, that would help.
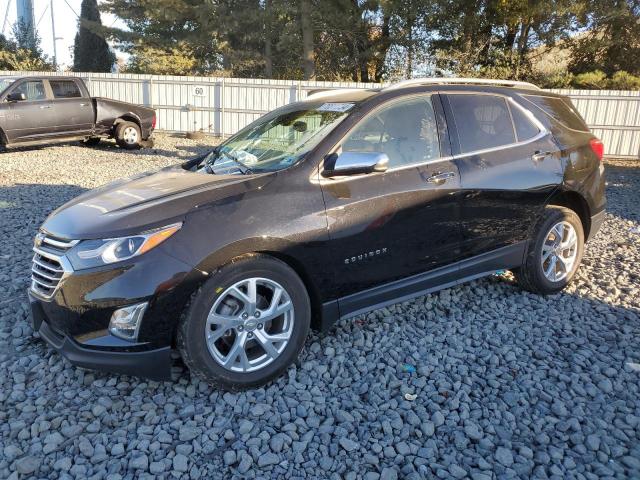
(93, 253)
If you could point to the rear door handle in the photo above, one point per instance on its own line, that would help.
(42, 107)
(440, 178)
(540, 156)
(84, 104)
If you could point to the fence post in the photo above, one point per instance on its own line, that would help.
(151, 92)
(222, 110)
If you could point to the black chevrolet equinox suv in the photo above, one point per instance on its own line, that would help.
(320, 210)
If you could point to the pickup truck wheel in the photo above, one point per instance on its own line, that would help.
(128, 135)
(246, 324)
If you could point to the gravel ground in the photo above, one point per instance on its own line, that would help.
(507, 384)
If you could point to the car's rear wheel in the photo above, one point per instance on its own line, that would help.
(246, 324)
(128, 135)
(554, 252)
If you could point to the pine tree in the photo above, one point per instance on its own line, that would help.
(91, 52)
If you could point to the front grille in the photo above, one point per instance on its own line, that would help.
(47, 270)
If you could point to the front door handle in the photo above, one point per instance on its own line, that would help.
(42, 107)
(84, 104)
(440, 178)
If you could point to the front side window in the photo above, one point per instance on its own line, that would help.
(406, 131)
(482, 121)
(33, 90)
(65, 89)
(5, 83)
(280, 138)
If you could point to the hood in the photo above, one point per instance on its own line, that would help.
(143, 202)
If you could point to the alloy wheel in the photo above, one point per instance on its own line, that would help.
(250, 324)
(559, 251)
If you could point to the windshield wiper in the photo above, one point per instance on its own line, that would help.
(217, 152)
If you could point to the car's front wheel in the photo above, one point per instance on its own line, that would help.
(554, 252)
(246, 324)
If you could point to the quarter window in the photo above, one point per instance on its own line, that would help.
(32, 89)
(406, 131)
(65, 89)
(561, 110)
(482, 121)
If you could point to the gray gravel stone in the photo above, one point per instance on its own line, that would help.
(139, 462)
(348, 445)
(27, 465)
(180, 463)
(268, 459)
(388, 474)
(504, 456)
(229, 457)
(508, 384)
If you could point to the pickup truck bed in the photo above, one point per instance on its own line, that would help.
(40, 110)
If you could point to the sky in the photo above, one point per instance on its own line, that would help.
(66, 25)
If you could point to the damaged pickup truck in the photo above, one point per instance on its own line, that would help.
(41, 110)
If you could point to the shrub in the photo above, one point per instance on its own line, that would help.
(624, 81)
(596, 80)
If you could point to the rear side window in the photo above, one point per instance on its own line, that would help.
(482, 121)
(525, 128)
(560, 109)
(65, 89)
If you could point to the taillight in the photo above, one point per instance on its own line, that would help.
(153, 122)
(598, 147)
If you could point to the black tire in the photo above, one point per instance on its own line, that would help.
(121, 132)
(191, 330)
(531, 275)
(92, 141)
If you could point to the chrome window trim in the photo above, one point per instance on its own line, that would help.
(375, 111)
(543, 132)
(525, 95)
(539, 136)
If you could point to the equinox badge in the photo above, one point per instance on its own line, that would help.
(365, 256)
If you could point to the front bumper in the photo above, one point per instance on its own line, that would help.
(105, 352)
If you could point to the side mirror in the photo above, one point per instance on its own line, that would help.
(16, 97)
(354, 163)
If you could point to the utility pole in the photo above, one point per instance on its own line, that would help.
(26, 16)
(6, 15)
(53, 33)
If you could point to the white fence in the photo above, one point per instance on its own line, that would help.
(221, 106)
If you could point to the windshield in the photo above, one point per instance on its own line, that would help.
(279, 139)
(5, 82)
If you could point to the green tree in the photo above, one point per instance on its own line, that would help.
(610, 40)
(15, 57)
(91, 53)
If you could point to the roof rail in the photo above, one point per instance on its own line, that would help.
(329, 91)
(460, 81)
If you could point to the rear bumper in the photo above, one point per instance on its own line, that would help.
(105, 353)
(596, 222)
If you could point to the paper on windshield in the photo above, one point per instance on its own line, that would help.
(335, 107)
